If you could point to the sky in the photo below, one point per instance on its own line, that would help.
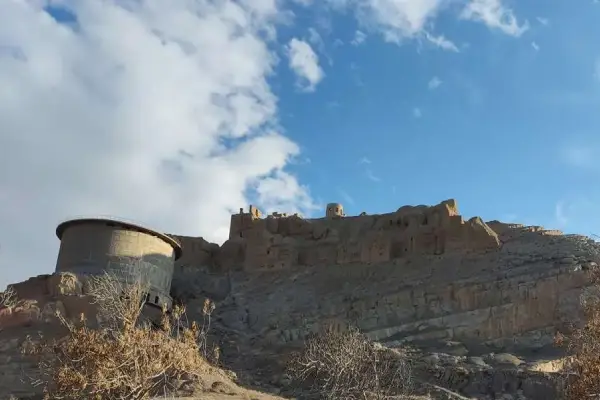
(174, 114)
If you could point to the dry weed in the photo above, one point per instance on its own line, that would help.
(8, 298)
(582, 367)
(124, 359)
(348, 365)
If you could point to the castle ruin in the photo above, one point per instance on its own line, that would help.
(279, 241)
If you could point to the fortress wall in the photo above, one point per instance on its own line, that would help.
(195, 250)
(282, 242)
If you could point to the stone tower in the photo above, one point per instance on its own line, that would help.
(94, 246)
(334, 210)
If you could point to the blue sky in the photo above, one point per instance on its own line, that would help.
(494, 134)
(176, 114)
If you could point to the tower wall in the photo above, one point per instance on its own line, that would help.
(334, 210)
(96, 246)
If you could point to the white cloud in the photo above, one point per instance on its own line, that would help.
(366, 162)
(543, 21)
(434, 83)
(494, 15)
(573, 212)
(535, 46)
(559, 214)
(159, 112)
(397, 19)
(371, 176)
(305, 64)
(417, 112)
(441, 42)
(400, 20)
(583, 156)
(359, 38)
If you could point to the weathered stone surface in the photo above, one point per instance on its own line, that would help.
(421, 274)
(505, 285)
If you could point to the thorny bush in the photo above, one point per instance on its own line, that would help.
(124, 359)
(347, 365)
(582, 366)
(8, 298)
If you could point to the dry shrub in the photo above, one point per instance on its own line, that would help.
(582, 367)
(8, 298)
(124, 359)
(347, 365)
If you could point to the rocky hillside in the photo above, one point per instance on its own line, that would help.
(481, 323)
(514, 297)
(472, 306)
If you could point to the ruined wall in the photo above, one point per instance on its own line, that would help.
(195, 250)
(280, 241)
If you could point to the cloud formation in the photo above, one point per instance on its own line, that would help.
(400, 20)
(495, 15)
(574, 211)
(434, 83)
(441, 42)
(584, 156)
(305, 64)
(359, 38)
(159, 112)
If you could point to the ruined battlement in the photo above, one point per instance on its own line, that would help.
(281, 241)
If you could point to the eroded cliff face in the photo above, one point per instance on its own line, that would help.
(419, 274)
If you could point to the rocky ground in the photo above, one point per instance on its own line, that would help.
(449, 372)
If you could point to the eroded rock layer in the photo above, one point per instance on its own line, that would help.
(418, 274)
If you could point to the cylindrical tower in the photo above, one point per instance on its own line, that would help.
(334, 210)
(94, 246)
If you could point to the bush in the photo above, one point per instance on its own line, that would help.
(582, 366)
(8, 298)
(125, 358)
(348, 365)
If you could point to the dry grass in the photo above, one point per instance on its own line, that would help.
(348, 365)
(582, 367)
(8, 298)
(124, 359)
